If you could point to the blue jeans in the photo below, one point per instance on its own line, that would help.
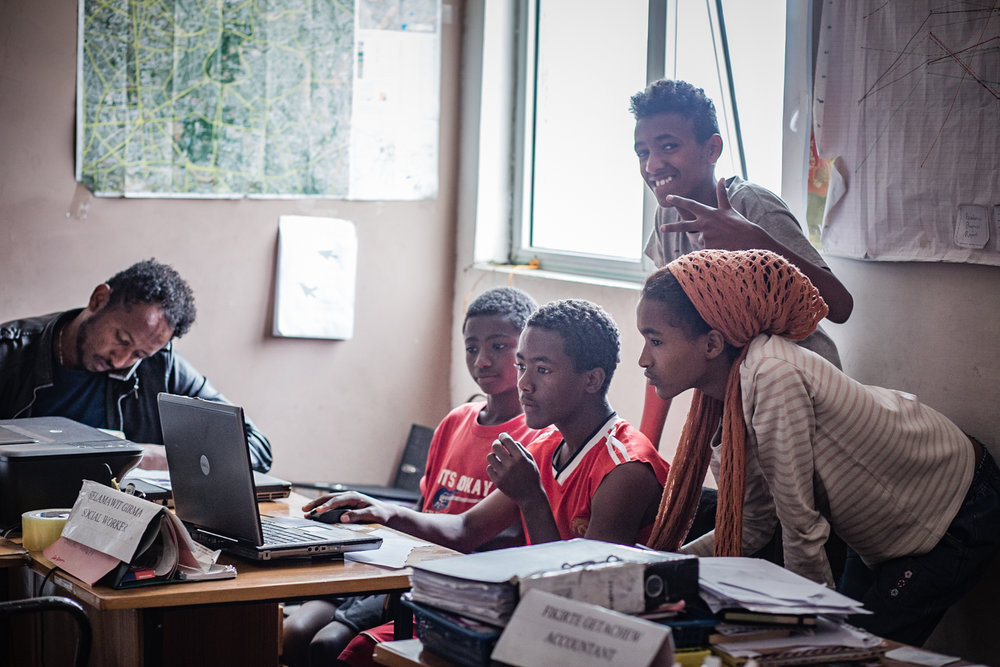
(909, 595)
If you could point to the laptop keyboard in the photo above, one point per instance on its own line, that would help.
(275, 533)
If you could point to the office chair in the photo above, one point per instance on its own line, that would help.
(53, 603)
(405, 488)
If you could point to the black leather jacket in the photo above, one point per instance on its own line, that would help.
(26, 366)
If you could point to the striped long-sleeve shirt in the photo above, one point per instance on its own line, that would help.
(886, 472)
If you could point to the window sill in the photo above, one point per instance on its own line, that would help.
(557, 276)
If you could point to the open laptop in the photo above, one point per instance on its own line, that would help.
(214, 494)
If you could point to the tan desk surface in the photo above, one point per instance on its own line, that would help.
(255, 581)
(12, 553)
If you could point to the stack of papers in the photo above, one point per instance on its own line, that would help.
(490, 602)
(761, 586)
(744, 587)
(828, 642)
(487, 585)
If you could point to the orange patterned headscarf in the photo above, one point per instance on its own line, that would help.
(741, 294)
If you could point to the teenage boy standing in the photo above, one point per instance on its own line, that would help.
(677, 142)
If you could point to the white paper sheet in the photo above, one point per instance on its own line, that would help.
(109, 520)
(918, 656)
(827, 633)
(317, 267)
(393, 552)
(395, 121)
(759, 585)
(547, 629)
(907, 99)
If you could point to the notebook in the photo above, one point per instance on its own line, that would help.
(213, 488)
(154, 485)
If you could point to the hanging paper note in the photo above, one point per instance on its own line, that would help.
(317, 267)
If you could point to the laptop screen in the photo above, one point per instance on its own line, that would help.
(209, 466)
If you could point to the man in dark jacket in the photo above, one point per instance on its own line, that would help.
(104, 364)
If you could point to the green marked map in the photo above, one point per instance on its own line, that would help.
(251, 98)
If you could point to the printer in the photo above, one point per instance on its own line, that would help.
(44, 460)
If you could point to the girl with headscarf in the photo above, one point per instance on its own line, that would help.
(806, 447)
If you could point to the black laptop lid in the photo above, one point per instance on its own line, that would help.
(209, 466)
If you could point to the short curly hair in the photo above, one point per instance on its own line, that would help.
(590, 336)
(150, 281)
(509, 302)
(681, 98)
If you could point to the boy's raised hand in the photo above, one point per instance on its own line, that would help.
(723, 228)
(513, 470)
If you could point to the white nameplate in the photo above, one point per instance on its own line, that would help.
(108, 520)
(546, 629)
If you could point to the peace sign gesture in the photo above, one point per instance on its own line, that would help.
(723, 228)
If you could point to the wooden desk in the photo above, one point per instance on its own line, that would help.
(410, 653)
(226, 622)
(12, 553)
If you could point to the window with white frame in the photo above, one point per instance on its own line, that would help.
(579, 202)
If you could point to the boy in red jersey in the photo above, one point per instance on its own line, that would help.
(454, 479)
(566, 357)
(593, 475)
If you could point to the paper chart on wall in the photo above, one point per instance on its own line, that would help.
(907, 99)
(315, 281)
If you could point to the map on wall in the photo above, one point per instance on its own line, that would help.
(266, 99)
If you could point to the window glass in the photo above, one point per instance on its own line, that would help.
(756, 33)
(586, 194)
(581, 204)
(755, 36)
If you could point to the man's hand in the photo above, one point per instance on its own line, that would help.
(513, 471)
(722, 228)
(363, 509)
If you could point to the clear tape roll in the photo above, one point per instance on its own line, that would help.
(40, 528)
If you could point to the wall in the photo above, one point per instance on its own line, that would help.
(932, 330)
(332, 409)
